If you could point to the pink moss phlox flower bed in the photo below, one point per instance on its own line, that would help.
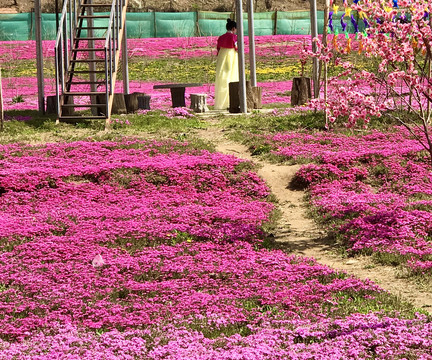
(150, 250)
(183, 48)
(377, 186)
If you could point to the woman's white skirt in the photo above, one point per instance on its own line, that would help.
(226, 72)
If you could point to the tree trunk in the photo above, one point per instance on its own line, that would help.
(301, 91)
(131, 101)
(234, 98)
(118, 104)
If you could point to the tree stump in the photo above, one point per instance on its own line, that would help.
(118, 104)
(234, 98)
(132, 102)
(144, 102)
(253, 97)
(199, 103)
(249, 96)
(257, 94)
(51, 105)
(301, 91)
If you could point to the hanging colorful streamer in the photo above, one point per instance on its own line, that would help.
(365, 22)
(348, 47)
(354, 22)
(330, 21)
(334, 41)
(343, 24)
(360, 48)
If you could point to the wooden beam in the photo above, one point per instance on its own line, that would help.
(117, 58)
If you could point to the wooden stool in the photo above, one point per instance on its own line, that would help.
(199, 103)
(144, 102)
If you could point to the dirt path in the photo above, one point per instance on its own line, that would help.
(303, 237)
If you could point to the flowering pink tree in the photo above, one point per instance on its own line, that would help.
(398, 37)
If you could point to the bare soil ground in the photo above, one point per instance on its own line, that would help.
(300, 235)
(170, 5)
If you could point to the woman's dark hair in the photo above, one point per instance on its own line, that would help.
(231, 25)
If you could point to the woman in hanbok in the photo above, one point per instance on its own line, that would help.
(226, 65)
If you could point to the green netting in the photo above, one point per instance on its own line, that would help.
(140, 25)
(175, 24)
(293, 22)
(15, 26)
(49, 30)
(186, 24)
(263, 23)
(212, 23)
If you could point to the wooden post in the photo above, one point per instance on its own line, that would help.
(39, 57)
(241, 56)
(314, 34)
(251, 31)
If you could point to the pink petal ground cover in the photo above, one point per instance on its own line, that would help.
(376, 186)
(150, 250)
(184, 48)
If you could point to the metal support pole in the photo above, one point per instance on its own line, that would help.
(92, 58)
(39, 57)
(125, 66)
(241, 57)
(1, 105)
(57, 14)
(325, 43)
(251, 31)
(314, 34)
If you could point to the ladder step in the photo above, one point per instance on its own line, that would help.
(87, 61)
(85, 82)
(87, 72)
(81, 117)
(93, 16)
(91, 27)
(90, 38)
(87, 49)
(96, 5)
(82, 93)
